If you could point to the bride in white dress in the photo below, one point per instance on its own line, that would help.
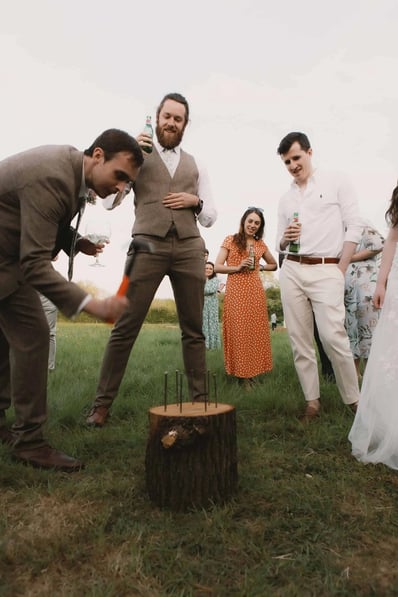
(374, 434)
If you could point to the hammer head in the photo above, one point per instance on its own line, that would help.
(137, 245)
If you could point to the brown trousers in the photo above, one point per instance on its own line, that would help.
(24, 344)
(183, 262)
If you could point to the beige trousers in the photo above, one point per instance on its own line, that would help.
(318, 289)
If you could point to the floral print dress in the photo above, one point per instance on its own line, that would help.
(360, 283)
(211, 324)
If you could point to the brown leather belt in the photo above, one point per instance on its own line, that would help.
(312, 260)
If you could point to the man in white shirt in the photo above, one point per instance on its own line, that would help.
(318, 249)
(171, 194)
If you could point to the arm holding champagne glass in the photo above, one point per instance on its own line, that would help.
(86, 246)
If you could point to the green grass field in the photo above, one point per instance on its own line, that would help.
(307, 520)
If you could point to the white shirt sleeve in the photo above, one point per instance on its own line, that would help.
(208, 215)
(350, 211)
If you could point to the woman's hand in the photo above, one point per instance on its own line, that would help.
(245, 263)
(378, 297)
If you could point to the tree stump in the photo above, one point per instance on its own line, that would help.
(191, 456)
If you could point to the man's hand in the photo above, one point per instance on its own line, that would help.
(109, 309)
(180, 200)
(291, 233)
(88, 248)
(144, 140)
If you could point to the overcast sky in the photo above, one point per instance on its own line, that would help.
(252, 71)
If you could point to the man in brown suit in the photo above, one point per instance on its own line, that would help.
(171, 193)
(41, 190)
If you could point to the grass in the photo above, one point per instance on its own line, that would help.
(307, 519)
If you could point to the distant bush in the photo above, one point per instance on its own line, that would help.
(164, 310)
(161, 311)
(274, 303)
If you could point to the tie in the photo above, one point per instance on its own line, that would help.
(74, 238)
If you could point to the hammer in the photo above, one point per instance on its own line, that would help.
(136, 246)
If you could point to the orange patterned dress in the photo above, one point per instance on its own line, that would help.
(247, 342)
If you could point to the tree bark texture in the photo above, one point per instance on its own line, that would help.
(191, 455)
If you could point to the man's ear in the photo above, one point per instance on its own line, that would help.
(98, 154)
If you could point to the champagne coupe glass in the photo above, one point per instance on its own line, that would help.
(98, 231)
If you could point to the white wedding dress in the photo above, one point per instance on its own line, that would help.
(374, 434)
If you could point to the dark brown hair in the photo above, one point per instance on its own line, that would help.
(213, 275)
(113, 141)
(176, 97)
(392, 211)
(291, 138)
(239, 237)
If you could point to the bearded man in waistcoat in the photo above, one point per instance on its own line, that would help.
(171, 194)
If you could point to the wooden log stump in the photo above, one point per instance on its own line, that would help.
(191, 455)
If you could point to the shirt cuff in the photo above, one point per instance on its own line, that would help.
(84, 302)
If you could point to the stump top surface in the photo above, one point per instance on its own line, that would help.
(189, 409)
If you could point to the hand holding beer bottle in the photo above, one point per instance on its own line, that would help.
(147, 136)
(294, 246)
(252, 256)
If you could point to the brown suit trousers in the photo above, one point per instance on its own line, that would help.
(183, 262)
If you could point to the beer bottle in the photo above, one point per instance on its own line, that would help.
(253, 258)
(148, 130)
(294, 246)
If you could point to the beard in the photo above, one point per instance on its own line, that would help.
(169, 139)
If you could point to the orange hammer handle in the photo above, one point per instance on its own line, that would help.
(121, 291)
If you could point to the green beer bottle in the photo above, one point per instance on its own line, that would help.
(148, 130)
(294, 246)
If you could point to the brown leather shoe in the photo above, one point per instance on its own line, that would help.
(6, 437)
(97, 416)
(49, 458)
(310, 414)
(354, 407)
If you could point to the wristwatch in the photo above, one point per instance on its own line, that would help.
(199, 207)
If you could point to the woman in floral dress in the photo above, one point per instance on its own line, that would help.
(360, 283)
(246, 335)
(211, 324)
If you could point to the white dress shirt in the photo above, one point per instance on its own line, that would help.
(328, 212)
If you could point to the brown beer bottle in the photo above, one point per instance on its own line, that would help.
(252, 256)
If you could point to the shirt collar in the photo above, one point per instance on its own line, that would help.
(310, 181)
(176, 150)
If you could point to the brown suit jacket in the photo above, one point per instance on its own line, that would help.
(39, 196)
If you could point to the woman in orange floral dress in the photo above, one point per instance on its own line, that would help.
(246, 335)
